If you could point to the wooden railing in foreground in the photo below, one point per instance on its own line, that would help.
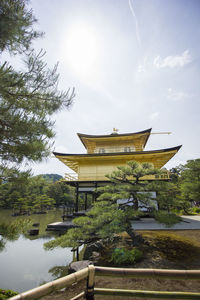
(91, 271)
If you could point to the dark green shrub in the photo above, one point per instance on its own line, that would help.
(5, 294)
(123, 256)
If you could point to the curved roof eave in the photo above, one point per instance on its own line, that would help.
(120, 153)
(82, 135)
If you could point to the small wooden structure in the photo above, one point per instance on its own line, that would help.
(91, 271)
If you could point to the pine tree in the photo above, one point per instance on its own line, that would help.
(190, 182)
(109, 215)
(28, 97)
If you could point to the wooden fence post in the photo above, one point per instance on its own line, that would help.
(90, 283)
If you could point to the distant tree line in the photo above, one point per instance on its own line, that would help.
(182, 193)
(109, 215)
(35, 194)
(53, 177)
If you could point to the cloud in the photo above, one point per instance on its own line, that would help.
(141, 69)
(176, 95)
(130, 3)
(173, 61)
(154, 115)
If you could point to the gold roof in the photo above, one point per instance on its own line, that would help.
(139, 139)
(158, 157)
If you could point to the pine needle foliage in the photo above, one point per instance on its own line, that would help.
(29, 94)
(108, 215)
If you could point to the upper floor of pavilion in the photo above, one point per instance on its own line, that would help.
(114, 142)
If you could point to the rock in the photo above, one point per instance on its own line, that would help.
(95, 254)
(34, 231)
(36, 224)
(94, 247)
(112, 239)
(95, 257)
(79, 265)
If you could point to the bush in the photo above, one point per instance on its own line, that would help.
(178, 212)
(5, 294)
(123, 256)
(169, 219)
(196, 210)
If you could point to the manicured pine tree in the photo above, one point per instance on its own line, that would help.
(109, 215)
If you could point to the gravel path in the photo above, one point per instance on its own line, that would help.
(188, 223)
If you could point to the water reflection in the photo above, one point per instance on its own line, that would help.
(25, 264)
(2, 244)
(58, 271)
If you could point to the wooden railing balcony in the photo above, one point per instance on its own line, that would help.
(101, 177)
(115, 150)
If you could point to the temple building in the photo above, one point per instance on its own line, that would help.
(105, 153)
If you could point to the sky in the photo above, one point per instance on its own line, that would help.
(135, 64)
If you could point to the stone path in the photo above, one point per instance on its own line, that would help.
(188, 223)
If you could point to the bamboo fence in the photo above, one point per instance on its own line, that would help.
(91, 271)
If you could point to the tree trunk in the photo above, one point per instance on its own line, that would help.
(137, 239)
(135, 201)
(135, 204)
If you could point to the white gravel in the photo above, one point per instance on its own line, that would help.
(188, 223)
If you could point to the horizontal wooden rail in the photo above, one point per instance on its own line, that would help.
(52, 286)
(147, 273)
(91, 271)
(146, 294)
(79, 296)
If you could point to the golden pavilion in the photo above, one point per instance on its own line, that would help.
(105, 153)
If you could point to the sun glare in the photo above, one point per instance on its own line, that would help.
(81, 49)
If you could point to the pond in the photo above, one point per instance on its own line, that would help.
(24, 264)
